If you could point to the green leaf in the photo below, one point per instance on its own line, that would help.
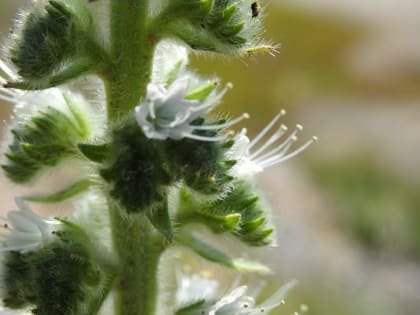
(158, 215)
(213, 254)
(94, 152)
(66, 193)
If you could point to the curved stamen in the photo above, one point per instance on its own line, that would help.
(280, 151)
(279, 159)
(276, 136)
(224, 125)
(283, 147)
(266, 129)
(7, 99)
(204, 138)
(152, 109)
(178, 120)
(7, 70)
(8, 91)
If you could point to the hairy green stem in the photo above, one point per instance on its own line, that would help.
(131, 53)
(139, 247)
(137, 243)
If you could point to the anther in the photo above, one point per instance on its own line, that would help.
(299, 127)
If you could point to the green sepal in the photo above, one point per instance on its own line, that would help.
(174, 72)
(60, 278)
(260, 237)
(213, 254)
(193, 308)
(158, 215)
(50, 37)
(200, 164)
(42, 141)
(218, 223)
(79, 67)
(94, 152)
(135, 168)
(47, 155)
(253, 227)
(201, 93)
(226, 27)
(70, 191)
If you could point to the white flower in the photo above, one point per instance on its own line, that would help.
(6, 311)
(168, 113)
(200, 297)
(26, 231)
(253, 156)
(170, 59)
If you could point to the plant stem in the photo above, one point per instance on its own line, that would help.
(137, 243)
(131, 54)
(139, 247)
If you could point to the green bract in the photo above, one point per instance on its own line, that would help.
(60, 278)
(45, 139)
(49, 38)
(222, 26)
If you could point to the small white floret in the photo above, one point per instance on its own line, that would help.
(24, 230)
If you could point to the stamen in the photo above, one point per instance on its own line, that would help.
(290, 155)
(178, 120)
(152, 109)
(266, 129)
(8, 91)
(7, 99)
(224, 125)
(204, 138)
(276, 136)
(7, 70)
(281, 149)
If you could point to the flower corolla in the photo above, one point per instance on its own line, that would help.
(254, 156)
(204, 298)
(168, 112)
(25, 230)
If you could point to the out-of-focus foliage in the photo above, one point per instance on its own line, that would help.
(310, 62)
(376, 208)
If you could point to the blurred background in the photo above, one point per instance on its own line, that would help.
(348, 208)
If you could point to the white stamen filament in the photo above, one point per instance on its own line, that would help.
(7, 70)
(266, 129)
(204, 138)
(152, 109)
(280, 158)
(276, 136)
(224, 125)
(282, 148)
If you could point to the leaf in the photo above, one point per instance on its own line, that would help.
(94, 152)
(68, 192)
(213, 254)
(158, 215)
